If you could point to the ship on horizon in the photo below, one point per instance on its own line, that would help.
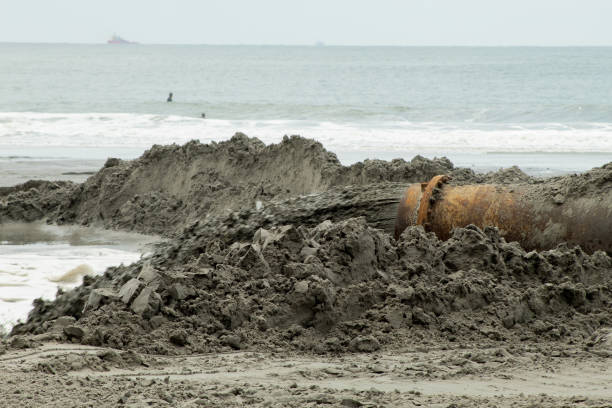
(115, 39)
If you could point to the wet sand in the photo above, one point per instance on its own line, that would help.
(468, 376)
(16, 171)
(20, 164)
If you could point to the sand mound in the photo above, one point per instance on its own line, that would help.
(172, 186)
(282, 246)
(337, 287)
(34, 200)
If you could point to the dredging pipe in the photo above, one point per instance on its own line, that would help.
(521, 213)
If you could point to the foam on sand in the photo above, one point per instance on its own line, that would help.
(42, 259)
(74, 275)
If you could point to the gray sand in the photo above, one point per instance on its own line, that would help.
(531, 375)
(281, 285)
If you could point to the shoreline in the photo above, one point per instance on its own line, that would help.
(37, 260)
(18, 165)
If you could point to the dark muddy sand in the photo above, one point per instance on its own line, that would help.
(280, 284)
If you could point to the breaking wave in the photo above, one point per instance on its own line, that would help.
(143, 130)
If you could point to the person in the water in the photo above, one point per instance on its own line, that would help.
(169, 97)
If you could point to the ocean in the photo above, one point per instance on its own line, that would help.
(65, 108)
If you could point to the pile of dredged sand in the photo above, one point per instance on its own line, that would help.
(281, 246)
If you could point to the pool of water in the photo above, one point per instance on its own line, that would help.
(36, 259)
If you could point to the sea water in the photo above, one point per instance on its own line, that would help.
(38, 259)
(548, 110)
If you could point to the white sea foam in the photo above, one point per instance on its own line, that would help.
(37, 270)
(112, 130)
(40, 258)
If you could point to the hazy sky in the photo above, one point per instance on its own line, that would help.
(336, 22)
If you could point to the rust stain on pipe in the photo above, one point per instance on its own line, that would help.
(520, 212)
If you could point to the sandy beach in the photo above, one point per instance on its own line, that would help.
(430, 376)
(281, 284)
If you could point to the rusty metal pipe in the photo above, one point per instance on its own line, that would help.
(520, 212)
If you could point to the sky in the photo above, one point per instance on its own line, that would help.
(304, 22)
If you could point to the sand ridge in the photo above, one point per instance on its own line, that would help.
(313, 270)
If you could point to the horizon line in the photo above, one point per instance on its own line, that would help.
(319, 45)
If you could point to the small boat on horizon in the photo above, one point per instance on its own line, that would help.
(115, 39)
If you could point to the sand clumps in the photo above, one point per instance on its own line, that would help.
(338, 287)
(172, 186)
(312, 267)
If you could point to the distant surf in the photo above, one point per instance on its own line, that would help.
(128, 130)
(84, 103)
